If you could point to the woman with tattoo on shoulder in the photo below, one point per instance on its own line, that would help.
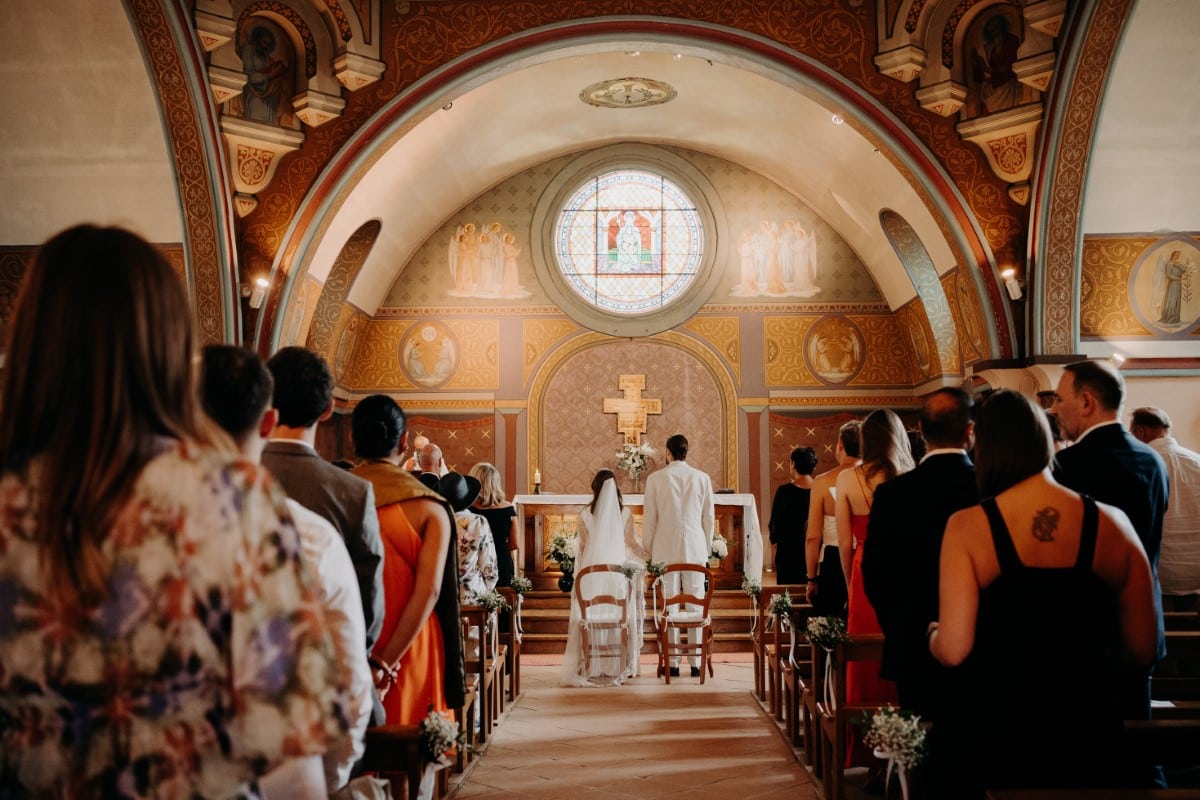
(1046, 596)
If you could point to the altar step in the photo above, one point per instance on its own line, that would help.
(544, 618)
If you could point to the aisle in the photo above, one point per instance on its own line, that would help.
(640, 740)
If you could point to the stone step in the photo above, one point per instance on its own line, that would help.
(546, 644)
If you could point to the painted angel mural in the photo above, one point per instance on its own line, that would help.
(777, 261)
(483, 262)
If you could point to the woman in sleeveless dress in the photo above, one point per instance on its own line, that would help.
(501, 515)
(789, 517)
(1046, 596)
(826, 583)
(409, 660)
(885, 454)
(605, 537)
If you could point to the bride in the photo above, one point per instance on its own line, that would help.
(606, 537)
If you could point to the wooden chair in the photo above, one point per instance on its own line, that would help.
(795, 656)
(835, 717)
(683, 611)
(766, 662)
(812, 692)
(466, 714)
(603, 617)
(511, 641)
(396, 752)
(485, 665)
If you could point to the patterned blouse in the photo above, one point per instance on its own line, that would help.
(477, 571)
(206, 665)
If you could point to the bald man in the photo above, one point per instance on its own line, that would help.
(419, 441)
(429, 460)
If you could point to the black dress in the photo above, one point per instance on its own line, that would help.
(789, 521)
(499, 520)
(1036, 706)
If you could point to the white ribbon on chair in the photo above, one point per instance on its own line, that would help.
(893, 766)
(517, 618)
(828, 684)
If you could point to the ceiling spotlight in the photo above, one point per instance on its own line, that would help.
(837, 120)
(633, 52)
(679, 56)
(259, 292)
(448, 106)
(1009, 274)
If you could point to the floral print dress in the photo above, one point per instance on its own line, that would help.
(206, 665)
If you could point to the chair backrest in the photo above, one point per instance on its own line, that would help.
(605, 572)
(859, 647)
(703, 600)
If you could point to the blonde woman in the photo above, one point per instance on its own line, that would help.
(501, 516)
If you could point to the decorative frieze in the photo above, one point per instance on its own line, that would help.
(315, 108)
(1036, 71)
(355, 71)
(904, 63)
(254, 151)
(943, 99)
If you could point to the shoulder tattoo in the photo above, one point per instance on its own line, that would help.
(1045, 523)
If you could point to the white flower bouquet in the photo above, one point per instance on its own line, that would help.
(634, 459)
(720, 547)
(825, 632)
(492, 601)
(751, 587)
(896, 736)
(655, 568)
(564, 550)
(631, 569)
(780, 603)
(521, 585)
(441, 737)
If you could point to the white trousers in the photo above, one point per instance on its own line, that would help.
(693, 584)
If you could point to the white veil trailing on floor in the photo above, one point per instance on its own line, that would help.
(605, 544)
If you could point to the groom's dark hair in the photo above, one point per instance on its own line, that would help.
(677, 446)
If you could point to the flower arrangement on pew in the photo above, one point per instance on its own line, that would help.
(521, 585)
(655, 568)
(780, 604)
(492, 601)
(898, 737)
(564, 550)
(441, 737)
(720, 547)
(631, 569)
(826, 632)
(751, 587)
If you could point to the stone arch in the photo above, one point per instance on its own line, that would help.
(329, 315)
(555, 379)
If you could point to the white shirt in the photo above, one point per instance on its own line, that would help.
(325, 554)
(1179, 562)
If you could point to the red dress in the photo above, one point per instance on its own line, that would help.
(863, 684)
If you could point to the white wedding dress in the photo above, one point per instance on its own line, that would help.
(604, 542)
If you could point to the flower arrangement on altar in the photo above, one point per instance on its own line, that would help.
(825, 632)
(634, 459)
(780, 604)
(720, 547)
(521, 585)
(751, 587)
(440, 736)
(896, 736)
(564, 550)
(655, 568)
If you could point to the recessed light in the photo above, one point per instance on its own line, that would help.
(837, 120)
(633, 52)
(679, 56)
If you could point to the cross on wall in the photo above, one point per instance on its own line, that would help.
(632, 409)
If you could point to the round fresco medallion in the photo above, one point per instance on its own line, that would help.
(834, 349)
(1163, 288)
(428, 354)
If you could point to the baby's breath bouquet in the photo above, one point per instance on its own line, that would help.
(751, 587)
(780, 603)
(440, 736)
(825, 632)
(720, 547)
(655, 568)
(521, 585)
(564, 550)
(492, 601)
(634, 459)
(631, 569)
(896, 736)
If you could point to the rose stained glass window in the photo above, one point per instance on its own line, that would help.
(629, 241)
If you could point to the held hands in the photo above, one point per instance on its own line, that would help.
(384, 676)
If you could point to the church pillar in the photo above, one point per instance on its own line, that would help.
(508, 470)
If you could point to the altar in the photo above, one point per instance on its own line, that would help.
(544, 516)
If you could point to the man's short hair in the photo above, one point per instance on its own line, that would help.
(1101, 379)
(850, 435)
(945, 416)
(303, 386)
(677, 446)
(1151, 417)
(235, 388)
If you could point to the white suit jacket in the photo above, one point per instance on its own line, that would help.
(678, 515)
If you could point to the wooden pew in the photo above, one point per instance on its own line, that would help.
(1181, 620)
(1177, 678)
(766, 666)
(395, 752)
(860, 647)
(511, 641)
(487, 666)
(796, 664)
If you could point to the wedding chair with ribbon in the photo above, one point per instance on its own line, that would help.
(813, 691)
(836, 713)
(602, 592)
(683, 612)
(487, 665)
(766, 660)
(795, 656)
(511, 641)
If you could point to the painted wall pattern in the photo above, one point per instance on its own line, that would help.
(967, 315)
(845, 350)
(1130, 288)
(724, 334)
(377, 365)
(349, 261)
(301, 311)
(538, 337)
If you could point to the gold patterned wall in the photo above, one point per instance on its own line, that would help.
(724, 334)
(850, 350)
(1125, 289)
(538, 337)
(453, 354)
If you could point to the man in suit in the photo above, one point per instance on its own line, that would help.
(1111, 466)
(904, 543)
(677, 525)
(304, 397)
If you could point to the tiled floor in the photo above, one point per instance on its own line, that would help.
(640, 740)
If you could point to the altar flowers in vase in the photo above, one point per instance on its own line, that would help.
(634, 460)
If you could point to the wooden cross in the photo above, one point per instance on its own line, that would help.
(631, 410)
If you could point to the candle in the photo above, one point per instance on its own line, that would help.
(537, 476)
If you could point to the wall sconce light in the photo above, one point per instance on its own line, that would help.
(258, 293)
(1117, 359)
(1012, 284)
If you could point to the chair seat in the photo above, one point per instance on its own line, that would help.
(690, 619)
(609, 616)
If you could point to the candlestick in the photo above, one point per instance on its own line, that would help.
(537, 476)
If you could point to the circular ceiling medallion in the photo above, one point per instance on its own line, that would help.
(627, 93)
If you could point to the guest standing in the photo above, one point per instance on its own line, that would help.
(418, 661)
(1109, 465)
(789, 517)
(677, 526)
(885, 455)
(826, 583)
(477, 572)
(501, 516)
(904, 544)
(1046, 596)
(152, 582)
(1179, 562)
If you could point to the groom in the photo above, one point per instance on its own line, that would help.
(677, 527)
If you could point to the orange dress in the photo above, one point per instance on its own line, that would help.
(421, 681)
(863, 684)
